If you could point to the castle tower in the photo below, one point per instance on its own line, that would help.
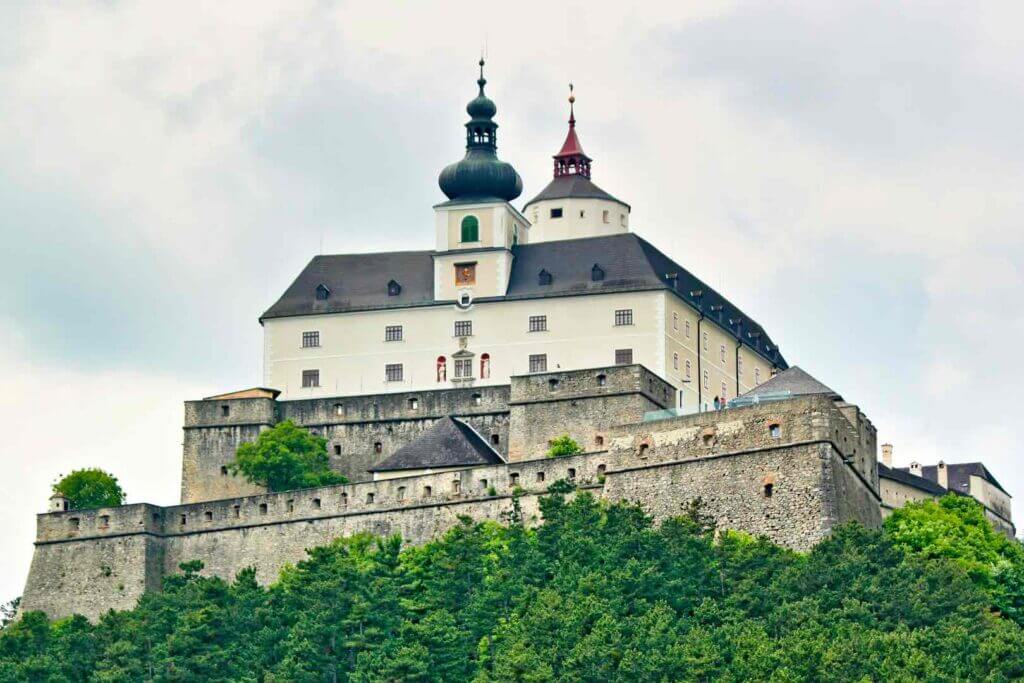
(571, 205)
(477, 227)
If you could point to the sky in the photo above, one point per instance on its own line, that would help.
(848, 173)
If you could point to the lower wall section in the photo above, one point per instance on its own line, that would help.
(89, 577)
(89, 561)
(786, 494)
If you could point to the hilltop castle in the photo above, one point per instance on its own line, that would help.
(439, 378)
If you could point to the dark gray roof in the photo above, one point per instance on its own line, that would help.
(448, 443)
(904, 477)
(794, 381)
(630, 263)
(358, 282)
(573, 186)
(959, 475)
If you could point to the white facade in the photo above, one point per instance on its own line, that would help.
(572, 217)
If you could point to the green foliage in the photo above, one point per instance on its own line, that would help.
(90, 488)
(598, 593)
(563, 445)
(955, 528)
(7, 612)
(286, 457)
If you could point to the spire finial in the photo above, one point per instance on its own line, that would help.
(572, 112)
(481, 81)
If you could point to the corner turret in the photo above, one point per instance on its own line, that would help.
(571, 205)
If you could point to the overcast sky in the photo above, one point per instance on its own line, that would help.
(849, 174)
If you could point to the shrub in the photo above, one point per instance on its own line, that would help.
(90, 488)
(563, 445)
(286, 457)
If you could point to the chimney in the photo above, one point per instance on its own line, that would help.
(887, 454)
(915, 469)
(942, 474)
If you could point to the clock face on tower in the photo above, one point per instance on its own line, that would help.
(465, 274)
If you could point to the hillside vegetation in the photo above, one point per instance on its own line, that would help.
(598, 593)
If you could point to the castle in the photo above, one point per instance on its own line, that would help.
(439, 379)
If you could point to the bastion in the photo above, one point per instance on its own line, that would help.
(790, 470)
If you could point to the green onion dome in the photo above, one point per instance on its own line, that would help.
(481, 175)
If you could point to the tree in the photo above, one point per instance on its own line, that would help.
(90, 488)
(563, 445)
(286, 457)
(7, 612)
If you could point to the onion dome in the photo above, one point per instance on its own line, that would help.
(481, 176)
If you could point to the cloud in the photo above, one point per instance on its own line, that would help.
(848, 173)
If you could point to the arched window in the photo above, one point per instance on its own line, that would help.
(470, 229)
(442, 369)
(485, 365)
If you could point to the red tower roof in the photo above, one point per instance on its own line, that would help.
(571, 160)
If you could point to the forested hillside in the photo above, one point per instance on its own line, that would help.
(597, 593)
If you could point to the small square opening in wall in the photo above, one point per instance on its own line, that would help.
(224, 470)
(401, 493)
(378, 447)
(428, 491)
(290, 505)
(598, 440)
(75, 523)
(344, 499)
(456, 486)
(556, 213)
(339, 410)
(208, 516)
(184, 520)
(237, 510)
(414, 404)
(495, 439)
(540, 476)
(514, 478)
(104, 521)
(225, 411)
(337, 449)
(775, 431)
(571, 473)
(316, 503)
(263, 508)
(769, 489)
(369, 497)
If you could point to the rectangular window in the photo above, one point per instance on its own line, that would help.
(393, 333)
(687, 369)
(393, 372)
(310, 339)
(706, 384)
(604, 216)
(624, 316)
(539, 362)
(705, 341)
(675, 361)
(538, 323)
(722, 353)
(623, 356)
(463, 328)
(739, 366)
(463, 368)
(687, 329)
(310, 378)
(556, 213)
(465, 274)
(675, 321)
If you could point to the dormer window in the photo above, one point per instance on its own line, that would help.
(556, 213)
(544, 278)
(394, 289)
(596, 273)
(470, 229)
(322, 292)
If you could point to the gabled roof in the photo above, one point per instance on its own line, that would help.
(358, 282)
(794, 381)
(578, 186)
(959, 475)
(450, 442)
(905, 477)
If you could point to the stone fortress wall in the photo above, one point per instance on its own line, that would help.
(790, 470)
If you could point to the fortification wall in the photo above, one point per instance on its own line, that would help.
(585, 404)
(792, 484)
(360, 430)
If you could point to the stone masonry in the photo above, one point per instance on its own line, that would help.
(789, 470)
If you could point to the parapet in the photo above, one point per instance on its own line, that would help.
(592, 382)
